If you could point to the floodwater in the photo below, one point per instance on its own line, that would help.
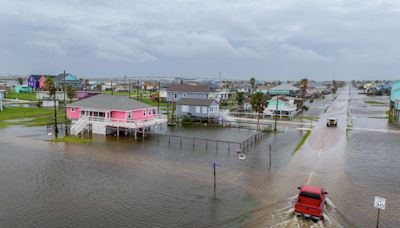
(116, 182)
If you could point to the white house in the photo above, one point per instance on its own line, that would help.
(281, 106)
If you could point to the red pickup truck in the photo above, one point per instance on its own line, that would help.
(310, 202)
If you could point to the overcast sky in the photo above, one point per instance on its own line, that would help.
(271, 39)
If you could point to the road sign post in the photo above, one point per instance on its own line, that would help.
(215, 165)
(379, 203)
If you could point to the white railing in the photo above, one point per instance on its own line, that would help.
(80, 125)
(116, 122)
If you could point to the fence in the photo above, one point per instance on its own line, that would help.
(210, 144)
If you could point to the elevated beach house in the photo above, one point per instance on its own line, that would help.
(108, 114)
(281, 106)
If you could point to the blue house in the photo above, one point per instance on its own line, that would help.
(34, 81)
(23, 89)
(395, 103)
(67, 80)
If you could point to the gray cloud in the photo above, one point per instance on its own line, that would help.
(268, 39)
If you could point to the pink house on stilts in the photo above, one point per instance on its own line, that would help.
(108, 114)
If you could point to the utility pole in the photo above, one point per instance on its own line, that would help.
(129, 88)
(55, 114)
(159, 88)
(270, 156)
(137, 89)
(276, 112)
(112, 88)
(65, 107)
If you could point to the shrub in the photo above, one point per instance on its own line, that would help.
(187, 120)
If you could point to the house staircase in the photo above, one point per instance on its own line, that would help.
(80, 125)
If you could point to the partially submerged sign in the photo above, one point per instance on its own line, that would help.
(379, 202)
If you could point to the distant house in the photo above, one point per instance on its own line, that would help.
(264, 88)
(284, 89)
(67, 80)
(2, 96)
(220, 95)
(179, 91)
(82, 94)
(281, 106)
(150, 86)
(23, 89)
(197, 108)
(42, 81)
(33, 81)
(107, 112)
(45, 95)
(395, 103)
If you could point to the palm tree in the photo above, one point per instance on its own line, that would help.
(252, 83)
(20, 81)
(258, 102)
(240, 99)
(70, 93)
(334, 86)
(303, 86)
(50, 86)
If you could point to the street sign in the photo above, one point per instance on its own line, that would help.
(379, 202)
(216, 164)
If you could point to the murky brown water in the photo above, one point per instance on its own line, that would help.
(120, 183)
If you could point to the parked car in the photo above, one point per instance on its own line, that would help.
(331, 122)
(310, 202)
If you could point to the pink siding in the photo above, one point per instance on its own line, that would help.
(119, 115)
(74, 115)
(138, 114)
(41, 82)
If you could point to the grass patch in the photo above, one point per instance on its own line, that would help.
(41, 116)
(303, 139)
(72, 139)
(21, 96)
(375, 102)
(377, 117)
(347, 131)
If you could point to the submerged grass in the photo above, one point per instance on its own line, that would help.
(72, 139)
(375, 102)
(302, 140)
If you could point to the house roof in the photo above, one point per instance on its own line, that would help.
(35, 76)
(285, 87)
(110, 102)
(281, 98)
(60, 77)
(188, 88)
(195, 101)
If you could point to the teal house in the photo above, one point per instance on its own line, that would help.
(395, 103)
(23, 89)
(67, 80)
(284, 89)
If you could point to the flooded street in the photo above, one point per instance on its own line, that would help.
(121, 183)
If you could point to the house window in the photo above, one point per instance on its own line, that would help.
(129, 115)
(72, 109)
(154, 111)
(144, 112)
(204, 109)
(198, 109)
(184, 95)
(175, 95)
(185, 108)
